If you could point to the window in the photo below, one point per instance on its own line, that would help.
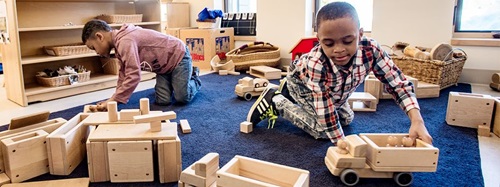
(236, 6)
(477, 16)
(364, 8)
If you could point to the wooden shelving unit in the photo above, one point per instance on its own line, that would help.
(33, 24)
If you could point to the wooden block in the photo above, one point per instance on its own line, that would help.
(246, 127)
(155, 126)
(4, 179)
(188, 177)
(427, 90)
(207, 167)
(244, 171)
(233, 73)
(169, 160)
(130, 161)
(99, 161)
(344, 160)
(25, 156)
(128, 114)
(469, 110)
(74, 182)
(30, 119)
(113, 111)
(88, 147)
(66, 145)
(144, 106)
(357, 147)
(363, 101)
(133, 132)
(266, 72)
(483, 130)
(155, 117)
(223, 72)
(48, 126)
(496, 117)
(185, 126)
(373, 86)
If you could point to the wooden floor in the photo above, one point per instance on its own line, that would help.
(489, 146)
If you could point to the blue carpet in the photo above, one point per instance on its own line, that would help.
(216, 112)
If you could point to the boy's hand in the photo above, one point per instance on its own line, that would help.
(103, 105)
(417, 128)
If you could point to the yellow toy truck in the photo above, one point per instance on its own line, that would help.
(248, 87)
(374, 155)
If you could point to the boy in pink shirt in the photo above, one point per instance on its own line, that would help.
(140, 49)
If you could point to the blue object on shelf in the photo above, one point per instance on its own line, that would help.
(1, 68)
(209, 14)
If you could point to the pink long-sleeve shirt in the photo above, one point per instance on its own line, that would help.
(143, 49)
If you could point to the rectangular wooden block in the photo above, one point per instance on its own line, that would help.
(265, 72)
(186, 128)
(357, 147)
(483, 130)
(133, 132)
(244, 171)
(113, 114)
(344, 160)
(246, 127)
(74, 182)
(97, 153)
(169, 160)
(30, 119)
(25, 156)
(155, 126)
(207, 167)
(427, 90)
(66, 145)
(128, 114)
(144, 106)
(155, 117)
(469, 109)
(130, 161)
(363, 101)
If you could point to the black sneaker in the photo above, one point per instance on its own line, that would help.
(264, 107)
(196, 71)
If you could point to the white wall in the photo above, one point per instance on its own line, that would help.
(198, 5)
(423, 23)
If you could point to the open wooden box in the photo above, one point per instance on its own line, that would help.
(422, 157)
(247, 172)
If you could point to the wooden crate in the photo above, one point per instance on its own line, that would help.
(469, 109)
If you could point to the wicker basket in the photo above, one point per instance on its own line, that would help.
(254, 54)
(70, 49)
(110, 65)
(443, 73)
(62, 80)
(117, 18)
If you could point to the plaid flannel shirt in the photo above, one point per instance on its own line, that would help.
(331, 85)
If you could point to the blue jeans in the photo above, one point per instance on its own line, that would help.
(181, 83)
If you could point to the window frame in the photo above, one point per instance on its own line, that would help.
(470, 38)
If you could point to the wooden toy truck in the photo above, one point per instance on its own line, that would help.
(380, 156)
(248, 87)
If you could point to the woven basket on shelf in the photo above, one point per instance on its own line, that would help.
(254, 54)
(110, 65)
(443, 73)
(118, 18)
(70, 49)
(62, 80)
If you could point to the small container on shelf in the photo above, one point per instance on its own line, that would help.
(120, 18)
(110, 65)
(63, 79)
(65, 50)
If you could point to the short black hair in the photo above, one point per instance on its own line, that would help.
(336, 10)
(92, 27)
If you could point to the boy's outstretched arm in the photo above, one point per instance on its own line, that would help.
(417, 128)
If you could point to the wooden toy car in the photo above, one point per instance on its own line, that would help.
(380, 156)
(248, 87)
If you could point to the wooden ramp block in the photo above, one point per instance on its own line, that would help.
(130, 161)
(469, 109)
(75, 182)
(363, 101)
(266, 72)
(25, 156)
(186, 128)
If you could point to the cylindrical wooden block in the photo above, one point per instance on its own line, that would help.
(495, 78)
(112, 111)
(144, 106)
(411, 51)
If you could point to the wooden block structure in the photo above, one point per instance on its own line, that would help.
(24, 154)
(469, 109)
(246, 127)
(496, 117)
(74, 182)
(66, 145)
(186, 128)
(155, 119)
(265, 72)
(201, 173)
(131, 159)
(363, 101)
(248, 172)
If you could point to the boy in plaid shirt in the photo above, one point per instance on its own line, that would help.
(314, 94)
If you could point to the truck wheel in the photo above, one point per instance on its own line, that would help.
(403, 179)
(247, 96)
(349, 177)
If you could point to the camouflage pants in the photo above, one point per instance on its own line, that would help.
(296, 105)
